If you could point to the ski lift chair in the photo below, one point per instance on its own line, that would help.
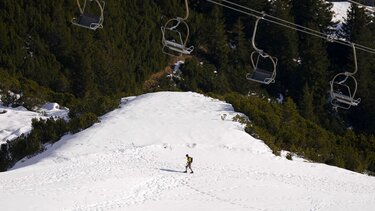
(342, 96)
(175, 35)
(344, 87)
(89, 21)
(173, 42)
(261, 73)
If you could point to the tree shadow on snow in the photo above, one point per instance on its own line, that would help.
(172, 171)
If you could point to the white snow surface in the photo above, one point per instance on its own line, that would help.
(17, 121)
(133, 160)
(340, 11)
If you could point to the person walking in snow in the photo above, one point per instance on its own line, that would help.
(188, 164)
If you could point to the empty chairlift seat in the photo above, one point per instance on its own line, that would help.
(261, 75)
(172, 38)
(175, 35)
(89, 21)
(263, 68)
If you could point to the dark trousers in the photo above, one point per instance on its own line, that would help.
(188, 165)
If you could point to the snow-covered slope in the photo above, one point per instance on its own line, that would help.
(133, 160)
(17, 121)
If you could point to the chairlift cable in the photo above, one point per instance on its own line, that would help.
(290, 25)
(354, 2)
(362, 5)
(276, 18)
(359, 4)
(273, 17)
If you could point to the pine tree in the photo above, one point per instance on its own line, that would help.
(239, 59)
(357, 29)
(313, 11)
(316, 15)
(306, 104)
(240, 44)
(284, 45)
(218, 40)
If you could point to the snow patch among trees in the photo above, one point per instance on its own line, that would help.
(17, 121)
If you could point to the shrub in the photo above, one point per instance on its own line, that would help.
(280, 126)
(82, 122)
(289, 156)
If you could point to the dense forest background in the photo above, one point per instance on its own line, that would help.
(45, 58)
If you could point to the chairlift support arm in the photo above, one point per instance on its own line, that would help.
(187, 10)
(255, 33)
(81, 9)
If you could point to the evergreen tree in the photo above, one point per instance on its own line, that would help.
(357, 29)
(306, 104)
(240, 58)
(240, 44)
(284, 45)
(312, 11)
(218, 40)
(314, 14)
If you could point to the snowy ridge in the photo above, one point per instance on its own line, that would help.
(133, 160)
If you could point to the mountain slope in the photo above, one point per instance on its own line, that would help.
(133, 160)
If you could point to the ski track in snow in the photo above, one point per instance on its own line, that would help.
(133, 160)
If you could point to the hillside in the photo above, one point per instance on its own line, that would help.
(133, 158)
(44, 57)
